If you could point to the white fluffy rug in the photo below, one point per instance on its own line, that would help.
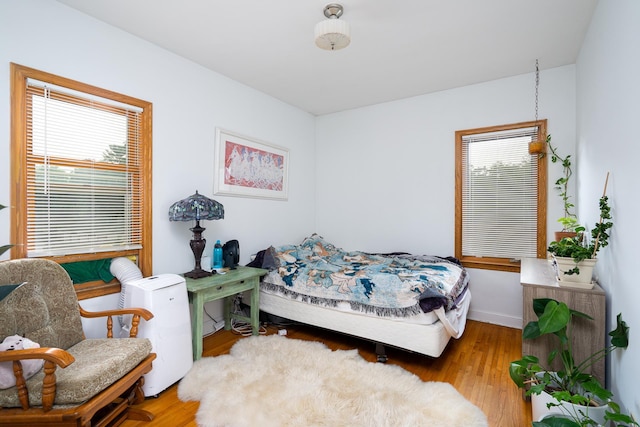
(277, 381)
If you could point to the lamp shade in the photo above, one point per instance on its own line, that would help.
(196, 207)
(332, 34)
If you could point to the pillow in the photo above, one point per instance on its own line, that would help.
(29, 367)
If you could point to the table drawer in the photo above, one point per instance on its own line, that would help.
(226, 289)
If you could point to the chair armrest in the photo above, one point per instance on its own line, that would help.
(52, 357)
(142, 312)
(56, 355)
(135, 320)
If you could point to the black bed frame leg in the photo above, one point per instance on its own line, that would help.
(381, 353)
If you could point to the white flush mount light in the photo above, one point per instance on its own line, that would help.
(332, 33)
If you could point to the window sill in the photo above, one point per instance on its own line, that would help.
(496, 264)
(96, 289)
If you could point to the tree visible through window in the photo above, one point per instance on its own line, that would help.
(500, 196)
(81, 162)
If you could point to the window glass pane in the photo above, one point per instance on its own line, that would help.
(500, 199)
(78, 210)
(63, 129)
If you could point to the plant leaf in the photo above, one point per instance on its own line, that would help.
(556, 316)
(581, 314)
(556, 421)
(531, 331)
(5, 248)
(539, 305)
(593, 386)
(620, 335)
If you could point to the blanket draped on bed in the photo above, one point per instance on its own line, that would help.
(317, 272)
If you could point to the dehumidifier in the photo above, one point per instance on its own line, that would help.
(164, 295)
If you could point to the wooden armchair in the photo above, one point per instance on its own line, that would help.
(84, 382)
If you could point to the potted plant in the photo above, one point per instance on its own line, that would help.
(569, 220)
(572, 394)
(4, 248)
(575, 257)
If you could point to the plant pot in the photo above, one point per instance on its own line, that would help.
(559, 235)
(582, 280)
(539, 409)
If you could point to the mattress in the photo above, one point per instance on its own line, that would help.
(419, 334)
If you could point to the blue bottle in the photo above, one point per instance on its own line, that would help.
(217, 255)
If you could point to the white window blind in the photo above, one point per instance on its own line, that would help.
(83, 173)
(499, 194)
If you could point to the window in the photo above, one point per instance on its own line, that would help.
(500, 196)
(81, 165)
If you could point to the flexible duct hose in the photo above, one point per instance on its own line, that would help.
(125, 271)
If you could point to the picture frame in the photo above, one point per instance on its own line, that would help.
(248, 167)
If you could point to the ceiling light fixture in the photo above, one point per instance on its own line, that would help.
(332, 33)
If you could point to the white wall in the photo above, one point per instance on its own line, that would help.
(189, 102)
(607, 116)
(385, 173)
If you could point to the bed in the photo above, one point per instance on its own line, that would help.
(416, 303)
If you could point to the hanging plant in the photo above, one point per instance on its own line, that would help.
(569, 220)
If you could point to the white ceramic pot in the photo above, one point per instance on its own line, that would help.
(539, 409)
(582, 280)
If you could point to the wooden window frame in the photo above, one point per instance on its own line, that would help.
(19, 77)
(502, 264)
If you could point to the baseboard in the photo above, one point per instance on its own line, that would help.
(495, 319)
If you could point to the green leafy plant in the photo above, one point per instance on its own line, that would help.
(571, 383)
(4, 248)
(578, 247)
(569, 220)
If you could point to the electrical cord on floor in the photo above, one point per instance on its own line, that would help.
(245, 329)
(240, 327)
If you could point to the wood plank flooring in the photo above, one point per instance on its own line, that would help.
(476, 365)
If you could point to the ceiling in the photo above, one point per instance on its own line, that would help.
(399, 48)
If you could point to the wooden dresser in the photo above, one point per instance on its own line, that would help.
(538, 280)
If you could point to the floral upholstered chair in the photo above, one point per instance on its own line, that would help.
(83, 382)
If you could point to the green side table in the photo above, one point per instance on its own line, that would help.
(224, 286)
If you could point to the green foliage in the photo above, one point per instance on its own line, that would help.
(569, 221)
(577, 247)
(571, 383)
(4, 248)
(116, 154)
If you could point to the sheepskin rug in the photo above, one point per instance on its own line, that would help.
(277, 381)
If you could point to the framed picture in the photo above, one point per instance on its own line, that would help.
(247, 167)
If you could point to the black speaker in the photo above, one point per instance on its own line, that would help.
(231, 254)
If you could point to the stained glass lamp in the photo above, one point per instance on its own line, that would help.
(196, 207)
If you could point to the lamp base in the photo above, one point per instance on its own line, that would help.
(198, 273)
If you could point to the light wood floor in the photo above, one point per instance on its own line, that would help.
(476, 365)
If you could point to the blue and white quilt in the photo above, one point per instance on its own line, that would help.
(317, 272)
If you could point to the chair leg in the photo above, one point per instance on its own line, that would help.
(138, 393)
(139, 414)
(136, 397)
